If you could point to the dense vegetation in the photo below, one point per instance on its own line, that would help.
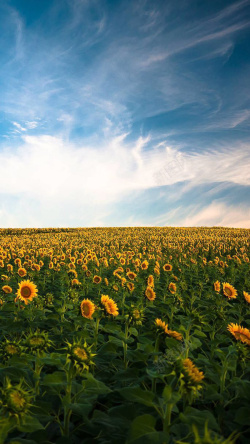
(125, 335)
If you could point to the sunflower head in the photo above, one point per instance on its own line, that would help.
(172, 288)
(97, 279)
(161, 325)
(16, 399)
(136, 315)
(37, 342)
(150, 281)
(7, 289)
(240, 333)
(110, 305)
(22, 272)
(10, 348)
(87, 308)
(80, 355)
(229, 291)
(27, 291)
(217, 286)
(246, 296)
(167, 267)
(190, 379)
(150, 294)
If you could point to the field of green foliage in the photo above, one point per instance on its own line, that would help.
(125, 335)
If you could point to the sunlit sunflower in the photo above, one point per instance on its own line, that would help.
(172, 288)
(22, 272)
(27, 291)
(192, 371)
(7, 289)
(157, 271)
(173, 334)
(144, 265)
(151, 281)
(97, 279)
(217, 286)
(240, 333)
(111, 308)
(75, 283)
(104, 299)
(229, 291)
(161, 324)
(150, 294)
(131, 275)
(167, 267)
(130, 286)
(246, 296)
(87, 308)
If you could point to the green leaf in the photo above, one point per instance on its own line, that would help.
(29, 424)
(142, 425)
(243, 416)
(6, 425)
(143, 430)
(93, 386)
(56, 378)
(136, 394)
(81, 409)
(199, 418)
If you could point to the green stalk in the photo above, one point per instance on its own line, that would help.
(67, 411)
(125, 346)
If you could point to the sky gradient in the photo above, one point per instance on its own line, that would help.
(123, 113)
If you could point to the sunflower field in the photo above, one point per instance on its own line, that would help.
(125, 335)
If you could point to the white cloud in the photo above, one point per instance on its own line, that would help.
(58, 183)
(219, 214)
(19, 127)
(31, 125)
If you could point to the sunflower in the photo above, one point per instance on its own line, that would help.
(150, 294)
(27, 291)
(157, 271)
(87, 308)
(192, 371)
(173, 334)
(75, 283)
(144, 265)
(111, 307)
(22, 272)
(7, 289)
(106, 281)
(80, 353)
(167, 267)
(151, 281)
(97, 279)
(104, 299)
(246, 296)
(161, 324)
(131, 275)
(16, 400)
(240, 333)
(217, 286)
(229, 291)
(130, 286)
(172, 288)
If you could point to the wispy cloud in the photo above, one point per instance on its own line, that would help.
(58, 175)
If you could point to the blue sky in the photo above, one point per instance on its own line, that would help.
(124, 113)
